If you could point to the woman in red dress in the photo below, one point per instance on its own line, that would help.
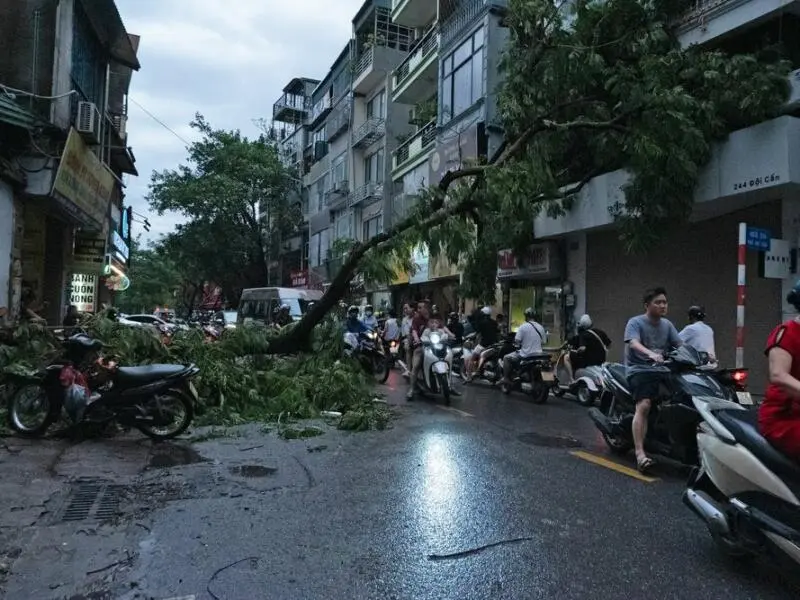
(779, 415)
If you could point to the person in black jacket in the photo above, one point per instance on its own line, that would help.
(589, 347)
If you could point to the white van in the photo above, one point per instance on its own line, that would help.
(258, 305)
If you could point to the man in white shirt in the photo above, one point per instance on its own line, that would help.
(530, 338)
(697, 334)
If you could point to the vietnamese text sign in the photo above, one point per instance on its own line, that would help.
(758, 239)
(84, 290)
(90, 253)
(84, 180)
(778, 261)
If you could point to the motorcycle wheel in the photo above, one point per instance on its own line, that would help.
(616, 444)
(380, 368)
(444, 387)
(584, 395)
(540, 392)
(174, 413)
(47, 414)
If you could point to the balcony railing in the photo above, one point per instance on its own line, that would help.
(339, 120)
(321, 107)
(337, 195)
(368, 191)
(418, 143)
(698, 9)
(370, 132)
(425, 48)
(290, 103)
(453, 24)
(363, 63)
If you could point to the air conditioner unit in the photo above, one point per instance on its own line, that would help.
(88, 121)
(121, 125)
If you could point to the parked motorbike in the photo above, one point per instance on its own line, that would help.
(587, 384)
(532, 375)
(437, 362)
(158, 400)
(746, 491)
(673, 421)
(367, 348)
(492, 368)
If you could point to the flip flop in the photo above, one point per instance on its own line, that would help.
(644, 464)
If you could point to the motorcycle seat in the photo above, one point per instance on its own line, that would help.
(84, 341)
(535, 357)
(619, 373)
(147, 374)
(743, 424)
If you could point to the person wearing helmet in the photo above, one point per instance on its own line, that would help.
(488, 336)
(370, 320)
(698, 334)
(456, 328)
(418, 326)
(353, 324)
(530, 338)
(779, 413)
(589, 347)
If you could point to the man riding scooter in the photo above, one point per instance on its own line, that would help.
(590, 347)
(530, 338)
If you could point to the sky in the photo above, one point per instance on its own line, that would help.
(227, 59)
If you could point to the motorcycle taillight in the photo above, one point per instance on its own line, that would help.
(739, 377)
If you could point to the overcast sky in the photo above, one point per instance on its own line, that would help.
(229, 60)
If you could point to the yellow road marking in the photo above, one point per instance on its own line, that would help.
(454, 410)
(610, 464)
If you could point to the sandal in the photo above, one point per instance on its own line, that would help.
(644, 464)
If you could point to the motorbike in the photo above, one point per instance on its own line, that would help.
(437, 363)
(746, 491)
(672, 421)
(158, 400)
(533, 375)
(587, 384)
(367, 348)
(492, 368)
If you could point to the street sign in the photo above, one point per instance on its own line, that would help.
(758, 239)
(778, 261)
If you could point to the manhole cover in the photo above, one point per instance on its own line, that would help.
(164, 456)
(252, 471)
(549, 441)
(95, 501)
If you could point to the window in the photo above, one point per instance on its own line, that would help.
(318, 136)
(320, 196)
(372, 227)
(373, 167)
(462, 77)
(376, 108)
(339, 169)
(318, 245)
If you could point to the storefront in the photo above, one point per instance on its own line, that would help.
(535, 280)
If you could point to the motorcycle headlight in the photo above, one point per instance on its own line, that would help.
(435, 338)
(371, 335)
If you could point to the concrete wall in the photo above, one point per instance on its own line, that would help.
(697, 266)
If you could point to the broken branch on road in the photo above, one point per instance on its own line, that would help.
(479, 549)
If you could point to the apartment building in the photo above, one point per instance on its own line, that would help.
(752, 178)
(65, 70)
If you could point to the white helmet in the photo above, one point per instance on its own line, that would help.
(585, 322)
(487, 310)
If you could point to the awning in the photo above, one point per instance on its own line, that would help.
(107, 23)
(14, 114)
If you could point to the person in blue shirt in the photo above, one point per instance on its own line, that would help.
(353, 324)
(370, 320)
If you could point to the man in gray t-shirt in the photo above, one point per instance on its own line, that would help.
(648, 338)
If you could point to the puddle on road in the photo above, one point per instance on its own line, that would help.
(164, 456)
(549, 441)
(252, 471)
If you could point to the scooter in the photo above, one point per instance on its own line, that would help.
(672, 422)
(533, 375)
(745, 490)
(587, 385)
(437, 364)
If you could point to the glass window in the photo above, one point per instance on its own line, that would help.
(477, 75)
(373, 227)
(462, 87)
(477, 39)
(373, 167)
(339, 169)
(462, 53)
(447, 66)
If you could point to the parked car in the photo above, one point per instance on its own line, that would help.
(225, 319)
(150, 320)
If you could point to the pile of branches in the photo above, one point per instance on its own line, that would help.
(239, 380)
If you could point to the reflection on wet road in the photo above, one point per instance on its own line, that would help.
(490, 498)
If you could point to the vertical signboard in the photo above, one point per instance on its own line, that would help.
(84, 292)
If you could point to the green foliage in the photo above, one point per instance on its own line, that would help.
(237, 382)
(588, 88)
(154, 279)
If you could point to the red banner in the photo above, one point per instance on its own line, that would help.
(299, 278)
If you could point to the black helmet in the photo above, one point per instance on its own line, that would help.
(793, 297)
(697, 312)
(453, 316)
(352, 311)
(529, 314)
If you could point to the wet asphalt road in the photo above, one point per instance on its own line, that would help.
(375, 507)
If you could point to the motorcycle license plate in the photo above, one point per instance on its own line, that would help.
(193, 391)
(744, 398)
(393, 349)
(548, 376)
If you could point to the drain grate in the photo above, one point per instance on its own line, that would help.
(93, 501)
(549, 441)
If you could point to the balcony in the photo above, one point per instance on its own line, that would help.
(709, 19)
(367, 193)
(336, 197)
(370, 132)
(413, 13)
(414, 149)
(370, 69)
(339, 120)
(416, 77)
(290, 108)
(320, 110)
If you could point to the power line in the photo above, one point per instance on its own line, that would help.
(159, 121)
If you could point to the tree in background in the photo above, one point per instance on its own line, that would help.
(237, 197)
(154, 280)
(589, 87)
